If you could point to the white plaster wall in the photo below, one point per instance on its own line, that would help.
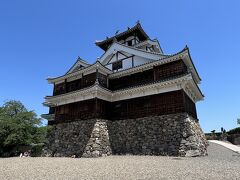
(120, 56)
(127, 63)
(140, 60)
(109, 66)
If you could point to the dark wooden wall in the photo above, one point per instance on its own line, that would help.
(94, 108)
(158, 73)
(59, 89)
(85, 81)
(131, 80)
(88, 80)
(102, 80)
(169, 70)
(51, 110)
(160, 104)
(189, 106)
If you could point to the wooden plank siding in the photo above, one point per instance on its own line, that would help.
(160, 104)
(85, 81)
(154, 105)
(93, 108)
(131, 80)
(169, 70)
(158, 73)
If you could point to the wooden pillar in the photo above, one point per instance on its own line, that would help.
(65, 85)
(154, 73)
(97, 74)
(135, 38)
(54, 88)
(117, 56)
(184, 101)
(132, 61)
(81, 83)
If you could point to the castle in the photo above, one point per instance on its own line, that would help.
(133, 100)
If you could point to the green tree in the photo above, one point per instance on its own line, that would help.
(238, 121)
(19, 127)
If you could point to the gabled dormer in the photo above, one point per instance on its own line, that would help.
(79, 64)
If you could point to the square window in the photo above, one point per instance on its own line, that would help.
(117, 65)
(129, 43)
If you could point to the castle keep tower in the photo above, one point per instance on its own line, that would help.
(133, 100)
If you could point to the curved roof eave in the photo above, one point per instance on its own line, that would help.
(51, 80)
(159, 46)
(193, 64)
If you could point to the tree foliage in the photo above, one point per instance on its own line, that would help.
(234, 131)
(19, 127)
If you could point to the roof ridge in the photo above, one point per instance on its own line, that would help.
(137, 25)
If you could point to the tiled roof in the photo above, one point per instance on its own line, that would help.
(137, 28)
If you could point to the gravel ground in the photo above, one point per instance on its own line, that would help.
(221, 163)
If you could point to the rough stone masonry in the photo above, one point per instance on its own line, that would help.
(174, 135)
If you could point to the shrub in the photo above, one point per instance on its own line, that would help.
(36, 150)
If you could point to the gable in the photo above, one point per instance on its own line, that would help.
(110, 54)
(79, 64)
(118, 56)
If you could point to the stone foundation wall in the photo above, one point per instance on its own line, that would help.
(88, 138)
(178, 135)
(175, 134)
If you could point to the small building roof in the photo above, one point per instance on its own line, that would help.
(79, 64)
(137, 29)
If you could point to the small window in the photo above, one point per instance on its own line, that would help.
(117, 65)
(129, 43)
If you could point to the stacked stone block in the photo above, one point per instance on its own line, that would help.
(174, 135)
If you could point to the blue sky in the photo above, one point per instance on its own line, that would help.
(43, 38)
